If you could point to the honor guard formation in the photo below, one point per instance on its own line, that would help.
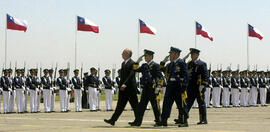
(189, 84)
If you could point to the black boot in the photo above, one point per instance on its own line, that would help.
(111, 122)
(203, 119)
(163, 122)
(184, 123)
(135, 123)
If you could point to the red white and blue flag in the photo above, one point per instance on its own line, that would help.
(200, 30)
(145, 28)
(86, 25)
(253, 32)
(16, 24)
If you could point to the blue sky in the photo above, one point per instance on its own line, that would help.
(51, 32)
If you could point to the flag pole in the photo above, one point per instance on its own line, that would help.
(138, 39)
(138, 75)
(6, 45)
(195, 36)
(247, 49)
(75, 41)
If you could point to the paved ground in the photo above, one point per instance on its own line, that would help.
(220, 120)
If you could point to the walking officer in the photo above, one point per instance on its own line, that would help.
(177, 80)
(152, 82)
(197, 83)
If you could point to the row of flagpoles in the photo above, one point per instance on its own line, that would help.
(83, 24)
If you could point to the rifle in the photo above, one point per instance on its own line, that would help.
(55, 71)
(15, 68)
(3, 69)
(82, 71)
(40, 71)
(68, 70)
(113, 72)
(24, 67)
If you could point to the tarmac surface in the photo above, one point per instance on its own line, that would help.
(242, 119)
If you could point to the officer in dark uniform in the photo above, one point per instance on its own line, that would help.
(197, 83)
(85, 104)
(177, 80)
(152, 82)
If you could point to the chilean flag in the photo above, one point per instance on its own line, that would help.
(200, 30)
(253, 32)
(86, 25)
(145, 28)
(16, 24)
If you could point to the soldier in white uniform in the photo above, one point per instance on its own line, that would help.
(53, 88)
(77, 83)
(253, 94)
(109, 89)
(263, 88)
(12, 93)
(245, 84)
(18, 84)
(46, 83)
(6, 84)
(32, 83)
(26, 89)
(226, 88)
(63, 84)
(69, 91)
(207, 92)
(216, 82)
(235, 88)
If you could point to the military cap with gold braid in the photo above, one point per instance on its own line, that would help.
(93, 69)
(18, 70)
(174, 50)
(32, 70)
(5, 70)
(148, 52)
(76, 70)
(193, 50)
(61, 71)
(10, 70)
(46, 70)
(107, 71)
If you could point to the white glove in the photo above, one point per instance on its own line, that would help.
(86, 91)
(157, 90)
(201, 88)
(166, 59)
(113, 89)
(82, 89)
(140, 59)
